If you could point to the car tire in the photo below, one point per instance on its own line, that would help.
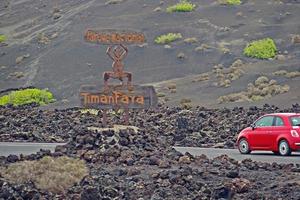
(243, 146)
(284, 148)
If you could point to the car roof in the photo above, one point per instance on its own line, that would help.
(283, 114)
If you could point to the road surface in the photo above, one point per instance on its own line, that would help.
(7, 148)
(17, 148)
(261, 156)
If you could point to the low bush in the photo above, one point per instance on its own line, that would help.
(27, 96)
(171, 86)
(167, 38)
(287, 74)
(262, 88)
(185, 100)
(51, 174)
(2, 38)
(201, 77)
(227, 75)
(230, 2)
(190, 40)
(182, 6)
(161, 95)
(263, 49)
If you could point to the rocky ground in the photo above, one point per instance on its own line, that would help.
(45, 46)
(137, 164)
(199, 127)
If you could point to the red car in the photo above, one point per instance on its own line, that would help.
(278, 132)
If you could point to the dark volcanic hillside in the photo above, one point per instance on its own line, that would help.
(45, 46)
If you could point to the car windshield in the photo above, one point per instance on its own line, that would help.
(295, 121)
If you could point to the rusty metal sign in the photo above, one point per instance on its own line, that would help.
(141, 97)
(120, 96)
(109, 36)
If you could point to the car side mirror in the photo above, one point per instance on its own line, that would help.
(252, 126)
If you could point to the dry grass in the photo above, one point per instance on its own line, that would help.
(89, 111)
(173, 91)
(201, 77)
(171, 86)
(51, 174)
(113, 2)
(226, 76)
(296, 39)
(43, 39)
(116, 128)
(160, 95)
(185, 100)
(190, 40)
(186, 103)
(287, 74)
(261, 89)
(203, 47)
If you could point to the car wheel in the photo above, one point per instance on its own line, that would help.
(244, 146)
(284, 148)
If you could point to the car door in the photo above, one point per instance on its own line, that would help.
(279, 128)
(260, 137)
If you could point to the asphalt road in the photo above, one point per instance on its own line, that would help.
(17, 148)
(261, 156)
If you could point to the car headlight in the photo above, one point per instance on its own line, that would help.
(294, 133)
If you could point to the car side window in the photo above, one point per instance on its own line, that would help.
(265, 121)
(279, 121)
(295, 120)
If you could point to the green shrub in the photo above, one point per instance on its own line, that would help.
(27, 96)
(230, 2)
(167, 38)
(2, 38)
(50, 174)
(263, 49)
(182, 6)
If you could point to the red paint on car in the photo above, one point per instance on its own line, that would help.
(277, 132)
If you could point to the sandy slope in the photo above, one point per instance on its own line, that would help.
(66, 61)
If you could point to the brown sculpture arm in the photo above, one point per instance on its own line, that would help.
(125, 52)
(109, 53)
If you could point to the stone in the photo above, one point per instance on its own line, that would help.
(296, 39)
(184, 160)
(181, 55)
(12, 158)
(157, 9)
(163, 164)
(241, 185)
(280, 57)
(19, 59)
(90, 193)
(232, 174)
